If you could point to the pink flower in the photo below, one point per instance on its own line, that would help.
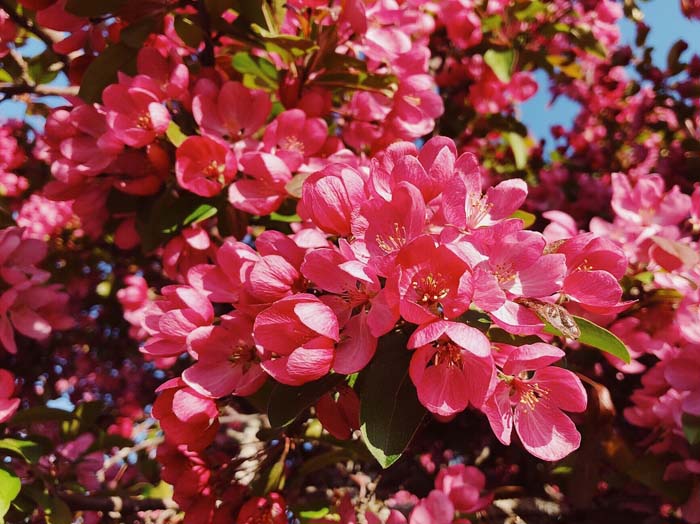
(135, 301)
(232, 112)
(264, 190)
(172, 318)
(646, 203)
(433, 282)
(594, 267)
(204, 165)
(296, 338)
(331, 197)
(466, 207)
(271, 509)
(462, 21)
(682, 374)
(534, 405)
(436, 508)
(463, 485)
(452, 366)
(135, 112)
(8, 405)
(293, 137)
(416, 106)
(186, 416)
(387, 227)
(227, 361)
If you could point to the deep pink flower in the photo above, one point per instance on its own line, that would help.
(436, 508)
(296, 338)
(465, 206)
(463, 485)
(594, 266)
(462, 22)
(8, 404)
(232, 112)
(534, 404)
(135, 112)
(271, 509)
(332, 196)
(416, 106)
(223, 281)
(387, 227)
(227, 360)
(682, 374)
(172, 318)
(263, 191)
(204, 165)
(647, 203)
(433, 282)
(452, 366)
(293, 137)
(186, 416)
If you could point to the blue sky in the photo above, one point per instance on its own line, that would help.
(667, 25)
(664, 16)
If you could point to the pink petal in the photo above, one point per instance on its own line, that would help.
(545, 431)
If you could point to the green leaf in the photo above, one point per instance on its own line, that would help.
(135, 34)
(598, 337)
(257, 72)
(92, 9)
(519, 148)
(286, 403)
(169, 214)
(501, 62)
(9, 489)
(28, 450)
(527, 218)
(175, 134)
(40, 414)
(103, 70)
(285, 218)
(491, 23)
(531, 10)
(691, 428)
(390, 412)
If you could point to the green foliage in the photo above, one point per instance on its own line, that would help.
(390, 412)
(286, 403)
(501, 63)
(9, 489)
(597, 337)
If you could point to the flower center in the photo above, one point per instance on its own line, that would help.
(215, 171)
(477, 209)
(394, 241)
(292, 143)
(504, 272)
(430, 289)
(448, 354)
(144, 122)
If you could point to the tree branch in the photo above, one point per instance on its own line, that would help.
(32, 28)
(207, 55)
(9, 89)
(120, 505)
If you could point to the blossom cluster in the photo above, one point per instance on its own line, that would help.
(28, 303)
(385, 248)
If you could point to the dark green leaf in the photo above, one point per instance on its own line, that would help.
(286, 403)
(390, 412)
(598, 337)
(501, 62)
(40, 414)
(92, 8)
(187, 29)
(103, 70)
(9, 489)
(691, 428)
(135, 34)
(169, 214)
(28, 450)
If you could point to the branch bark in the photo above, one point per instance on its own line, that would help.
(207, 55)
(9, 89)
(78, 502)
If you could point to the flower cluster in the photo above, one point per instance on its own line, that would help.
(405, 255)
(28, 304)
